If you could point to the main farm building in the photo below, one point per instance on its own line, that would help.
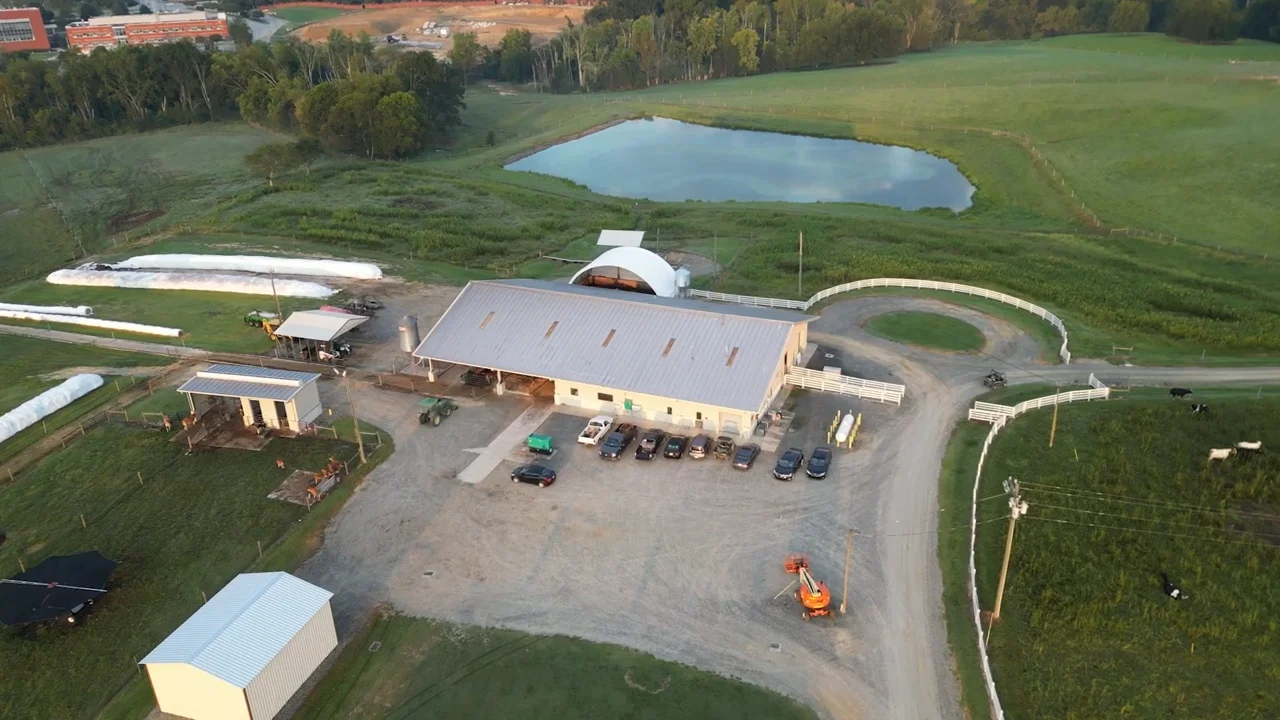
(632, 354)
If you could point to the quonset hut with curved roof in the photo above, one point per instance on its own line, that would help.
(629, 268)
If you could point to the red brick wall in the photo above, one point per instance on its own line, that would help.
(87, 38)
(41, 41)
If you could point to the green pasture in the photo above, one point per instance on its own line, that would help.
(1172, 145)
(1156, 45)
(426, 668)
(1086, 631)
(928, 330)
(193, 524)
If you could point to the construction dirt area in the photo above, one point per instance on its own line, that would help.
(488, 22)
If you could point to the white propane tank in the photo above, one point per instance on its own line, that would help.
(846, 427)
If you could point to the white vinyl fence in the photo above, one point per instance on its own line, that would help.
(845, 385)
(1036, 310)
(992, 412)
(999, 416)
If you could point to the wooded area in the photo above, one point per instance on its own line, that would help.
(339, 93)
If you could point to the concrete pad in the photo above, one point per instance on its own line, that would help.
(501, 446)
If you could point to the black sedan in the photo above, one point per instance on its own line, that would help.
(790, 461)
(534, 475)
(675, 447)
(819, 463)
(745, 455)
(650, 444)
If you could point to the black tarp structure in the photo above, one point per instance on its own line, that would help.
(56, 586)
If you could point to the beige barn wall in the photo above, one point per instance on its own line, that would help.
(188, 692)
(289, 669)
(653, 408)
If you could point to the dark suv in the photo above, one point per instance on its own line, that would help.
(649, 444)
(790, 461)
(819, 463)
(617, 441)
(675, 447)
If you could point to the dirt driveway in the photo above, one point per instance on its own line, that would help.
(683, 558)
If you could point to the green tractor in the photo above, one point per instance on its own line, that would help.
(434, 410)
(255, 318)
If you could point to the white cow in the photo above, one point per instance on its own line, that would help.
(1221, 453)
(1255, 446)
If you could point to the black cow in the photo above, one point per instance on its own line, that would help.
(1179, 393)
(1170, 589)
(1199, 408)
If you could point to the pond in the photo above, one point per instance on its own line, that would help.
(668, 160)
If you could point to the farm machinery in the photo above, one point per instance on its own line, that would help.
(433, 410)
(994, 380)
(812, 594)
(268, 321)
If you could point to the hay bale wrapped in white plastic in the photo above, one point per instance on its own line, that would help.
(46, 403)
(81, 310)
(93, 322)
(253, 264)
(239, 284)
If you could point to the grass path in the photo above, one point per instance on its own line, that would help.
(929, 330)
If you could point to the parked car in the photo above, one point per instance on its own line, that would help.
(819, 463)
(788, 464)
(675, 447)
(699, 447)
(534, 475)
(723, 448)
(745, 456)
(617, 441)
(649, 444)
(597, 428)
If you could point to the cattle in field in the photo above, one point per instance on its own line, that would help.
(1179, 393)
(1247, 450)
(1199, 409)
(1221, 453)
(1170, 589)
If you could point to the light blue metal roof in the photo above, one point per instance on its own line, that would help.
(237, 633)
(250, 371)
(236, 388)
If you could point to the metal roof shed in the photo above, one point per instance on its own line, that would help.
(319, 325)
(246, 652)
(280, 397)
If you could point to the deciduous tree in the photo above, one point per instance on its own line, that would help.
(1130, 16)
(272, 159)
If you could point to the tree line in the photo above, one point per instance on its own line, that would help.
(639, 43)
(340, 93)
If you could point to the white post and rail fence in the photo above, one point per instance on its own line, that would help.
(958, 288)
(999, 416)
(845, 385)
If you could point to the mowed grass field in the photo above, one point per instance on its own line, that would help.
(926, 329)
(24, 375)
(1086, 630)
(1174, 145)
(425, 668)
(192, 525)
(301, 15)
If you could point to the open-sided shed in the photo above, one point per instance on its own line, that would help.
(243, 654)
(266, 397)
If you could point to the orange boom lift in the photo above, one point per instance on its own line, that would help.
(812, 593)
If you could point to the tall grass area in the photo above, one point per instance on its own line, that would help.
(426, 668)
(193, 525)
(1086, 629)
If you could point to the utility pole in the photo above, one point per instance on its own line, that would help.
(1053, 428)
(346, 382)
(848, 554)
(279, 313)
(1017, 508)
(715, 252)
(800, 275)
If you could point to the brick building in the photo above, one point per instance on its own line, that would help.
(144, 29)
(22, 29)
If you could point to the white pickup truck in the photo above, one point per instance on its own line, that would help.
(596, 429)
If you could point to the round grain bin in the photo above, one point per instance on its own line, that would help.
(409, 339)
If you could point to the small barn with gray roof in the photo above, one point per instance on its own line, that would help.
(686, 362)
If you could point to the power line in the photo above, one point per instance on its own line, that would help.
(1154, 520)
(1155, 532)
(1143, 502)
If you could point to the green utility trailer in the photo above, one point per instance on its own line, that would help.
(541, 445)
(433, 410)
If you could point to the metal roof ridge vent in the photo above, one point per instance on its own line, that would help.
(551, 329)
(704, 308)
(666, 351)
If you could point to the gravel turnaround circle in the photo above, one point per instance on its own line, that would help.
(683, 558)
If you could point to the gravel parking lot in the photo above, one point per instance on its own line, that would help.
(683, 558)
